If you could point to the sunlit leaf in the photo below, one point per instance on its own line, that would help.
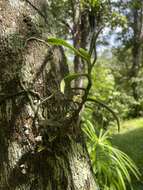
(62, 86)
(67, 80)
(81, 52)
(112, 167)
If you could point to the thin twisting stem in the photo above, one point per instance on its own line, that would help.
(37, 39)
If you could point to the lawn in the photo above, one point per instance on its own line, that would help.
(130, 140)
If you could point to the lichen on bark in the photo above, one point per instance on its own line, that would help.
(62, 163)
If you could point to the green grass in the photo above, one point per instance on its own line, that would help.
(131, 124)
(130, 140)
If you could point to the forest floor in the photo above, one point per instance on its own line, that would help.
(130, 141)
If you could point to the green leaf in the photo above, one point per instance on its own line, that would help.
(81, 52)
(62, 86)
(65, 83)
(85, 53)
(103, 155)
(73, 76)
(92, 99)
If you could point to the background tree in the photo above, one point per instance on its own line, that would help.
(84, 23)
(129, 53)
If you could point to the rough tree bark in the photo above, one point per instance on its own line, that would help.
(29, 73)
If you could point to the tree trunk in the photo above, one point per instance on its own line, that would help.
(41, 146)
(79, 36)
(137, 27)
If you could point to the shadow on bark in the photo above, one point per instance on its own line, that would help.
(48, 168)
